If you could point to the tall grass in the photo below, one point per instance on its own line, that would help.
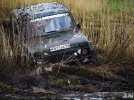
(108, 24)
(4, 44)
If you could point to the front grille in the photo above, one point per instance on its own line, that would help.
(59, 57)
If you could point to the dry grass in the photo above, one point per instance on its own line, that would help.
(114, 37)
(83, 7)
(108, 26)
(4, 44)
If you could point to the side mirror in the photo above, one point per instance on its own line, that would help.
(78, 25)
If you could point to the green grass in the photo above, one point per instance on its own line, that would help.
(117, 5)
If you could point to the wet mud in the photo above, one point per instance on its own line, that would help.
(62, 80)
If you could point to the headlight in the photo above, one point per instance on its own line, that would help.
(37, 54)
(84, 52)
(45, 54)
(40, 61)
(83, 44)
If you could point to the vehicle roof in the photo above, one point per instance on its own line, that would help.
(41, 10)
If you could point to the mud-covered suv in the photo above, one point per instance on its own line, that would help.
(47, 32)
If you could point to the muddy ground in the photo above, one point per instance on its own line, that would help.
(88, 78)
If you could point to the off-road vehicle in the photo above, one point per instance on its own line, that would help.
(47, 32)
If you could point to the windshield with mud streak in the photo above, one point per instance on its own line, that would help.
(49, 24)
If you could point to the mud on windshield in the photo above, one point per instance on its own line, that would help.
(45, 25)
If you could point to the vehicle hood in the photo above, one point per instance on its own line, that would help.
(44, 43)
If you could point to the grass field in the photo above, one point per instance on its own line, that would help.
(108, 24)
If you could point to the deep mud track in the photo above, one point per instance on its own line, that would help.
(66, 79)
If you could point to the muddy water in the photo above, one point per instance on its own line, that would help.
(99, 96)
(81, 96)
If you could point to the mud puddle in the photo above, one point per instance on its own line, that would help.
(77, 96)
(99, 96)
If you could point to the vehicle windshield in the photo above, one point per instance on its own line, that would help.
(49, 24)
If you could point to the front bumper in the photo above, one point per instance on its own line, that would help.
(65, 56)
